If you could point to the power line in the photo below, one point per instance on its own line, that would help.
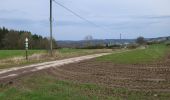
(68, 9)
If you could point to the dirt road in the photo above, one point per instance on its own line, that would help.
(14, 72)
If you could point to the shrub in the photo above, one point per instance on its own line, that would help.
(132, 46)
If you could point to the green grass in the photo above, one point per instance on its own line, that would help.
(7, 61)
(46, 87)
(152, 53)
(69, 50)
(15, 53)
(64, 52)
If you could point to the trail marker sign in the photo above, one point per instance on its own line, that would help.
(26, 43)
(26, 48)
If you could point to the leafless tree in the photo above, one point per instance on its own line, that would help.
(140, 40)
(88, 40)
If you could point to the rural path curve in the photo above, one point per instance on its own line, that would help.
(11, 73)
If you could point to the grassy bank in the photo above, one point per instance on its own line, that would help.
(15, 58)
(152, 53)
(4, 54)
(46, 87)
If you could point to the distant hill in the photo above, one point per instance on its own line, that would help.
(83, 43)
(159, 39)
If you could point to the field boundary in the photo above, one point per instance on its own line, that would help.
(13, 72)
(17, 71)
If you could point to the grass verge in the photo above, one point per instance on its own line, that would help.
(15, 58)
(152, 53)
(46, 87)
(4, 54)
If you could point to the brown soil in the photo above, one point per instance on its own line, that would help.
(137, 76)
(155, 76)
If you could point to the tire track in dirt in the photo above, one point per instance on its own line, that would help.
(9, 73)
(14, 72)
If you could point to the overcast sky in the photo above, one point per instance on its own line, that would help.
(132, 18)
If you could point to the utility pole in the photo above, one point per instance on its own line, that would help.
(120, 37)
(51, 30)
(121, 40)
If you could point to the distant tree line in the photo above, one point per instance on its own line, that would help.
(13, 39)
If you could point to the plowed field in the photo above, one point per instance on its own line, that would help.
(155, 76)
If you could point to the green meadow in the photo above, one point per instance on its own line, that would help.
(150, 54)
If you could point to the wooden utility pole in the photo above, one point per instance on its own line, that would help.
(121, 43)
(120, 37)
(51, 30)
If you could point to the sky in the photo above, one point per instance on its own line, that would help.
(131, 18)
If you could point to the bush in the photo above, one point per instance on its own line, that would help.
(132, 46)
(94, 47)
(167, 43)
(115, 46)
(140, 40)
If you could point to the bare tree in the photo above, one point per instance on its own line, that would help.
(140, 40)
(88, 40)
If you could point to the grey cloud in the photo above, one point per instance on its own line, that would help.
(128, 16)
(160, 17)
